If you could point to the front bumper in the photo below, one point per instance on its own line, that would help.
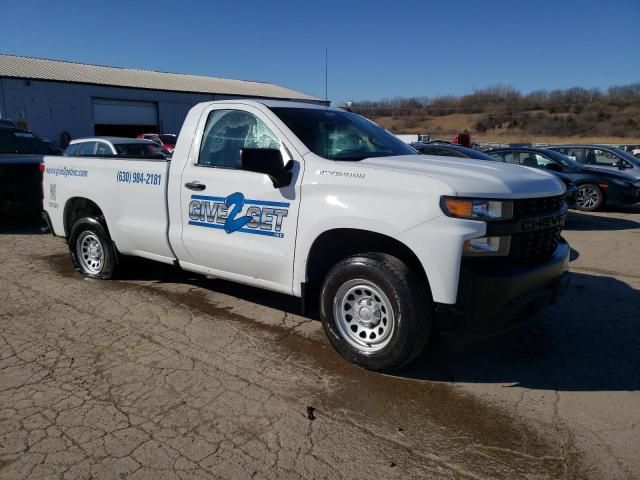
(493, 296)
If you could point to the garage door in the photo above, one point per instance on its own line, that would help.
(124, 118)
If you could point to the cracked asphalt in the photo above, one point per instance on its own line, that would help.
(167, 375)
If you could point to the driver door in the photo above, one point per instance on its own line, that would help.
(235, 224)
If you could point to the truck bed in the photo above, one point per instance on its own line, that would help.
(131, 194)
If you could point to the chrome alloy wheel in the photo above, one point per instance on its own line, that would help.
(587, 197)
(90, 252)
(363, 315)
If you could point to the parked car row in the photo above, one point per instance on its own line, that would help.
(594, 176)
(22, 153)
(167, 141)
(595, 187)
(116, 147)
(452, 150)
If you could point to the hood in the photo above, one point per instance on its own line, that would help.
(609, 173)
(482, 178)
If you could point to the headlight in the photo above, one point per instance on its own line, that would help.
(480, 247)
(477, 208)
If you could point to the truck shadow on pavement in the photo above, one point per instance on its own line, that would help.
(590, 341)
(20, 226)
(585, 222)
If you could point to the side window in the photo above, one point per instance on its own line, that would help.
(103, 150)
(511, 157)
(497, 156)
(528, 159)
(86, 148)
(71, 150)
(574, 154)
(542, 160)
(229, 131)
(602, 157)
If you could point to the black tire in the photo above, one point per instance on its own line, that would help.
(589, 197)
(89, 227)
(409, 300)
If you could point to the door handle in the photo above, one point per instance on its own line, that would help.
(195, 185)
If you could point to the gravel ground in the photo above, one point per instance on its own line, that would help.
(167, 375)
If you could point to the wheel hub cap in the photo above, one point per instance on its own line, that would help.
(363, 315)
(89, 252)
(367, 313)
(587, 197)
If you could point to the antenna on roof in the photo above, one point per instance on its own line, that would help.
(326, 74)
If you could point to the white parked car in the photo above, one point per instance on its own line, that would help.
(116, 147)
(327, 206)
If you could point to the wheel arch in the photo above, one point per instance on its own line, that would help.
(78, 207)
(333, 245)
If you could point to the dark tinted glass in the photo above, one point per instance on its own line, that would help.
(71, 150)
(168, 139)
(12, 141)
(86, 148)
(103, 149)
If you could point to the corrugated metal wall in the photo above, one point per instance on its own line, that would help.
(50, 108)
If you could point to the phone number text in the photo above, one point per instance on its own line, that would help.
(139, 178)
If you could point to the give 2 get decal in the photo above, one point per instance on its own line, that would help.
(235, 213)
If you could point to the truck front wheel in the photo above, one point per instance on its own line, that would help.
(92, 251)
(376, 311)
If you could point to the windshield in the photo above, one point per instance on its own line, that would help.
(337, 135)
(627, 156)
(12, 141)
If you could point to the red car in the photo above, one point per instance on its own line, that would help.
(167, 141)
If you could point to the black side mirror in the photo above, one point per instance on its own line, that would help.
(621, 165)
(268, 161)
(554, 167)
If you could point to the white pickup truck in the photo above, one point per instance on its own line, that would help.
(325, 205)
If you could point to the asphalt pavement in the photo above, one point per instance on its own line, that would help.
(164, 374)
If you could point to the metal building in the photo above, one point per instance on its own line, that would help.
(50, 97)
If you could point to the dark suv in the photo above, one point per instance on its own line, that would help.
(21, 154)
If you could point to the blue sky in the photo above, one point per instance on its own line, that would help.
(376, 49)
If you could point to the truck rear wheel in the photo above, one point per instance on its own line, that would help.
(92, 251)
(375, 311)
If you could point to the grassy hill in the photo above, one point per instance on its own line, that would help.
(503, 114)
